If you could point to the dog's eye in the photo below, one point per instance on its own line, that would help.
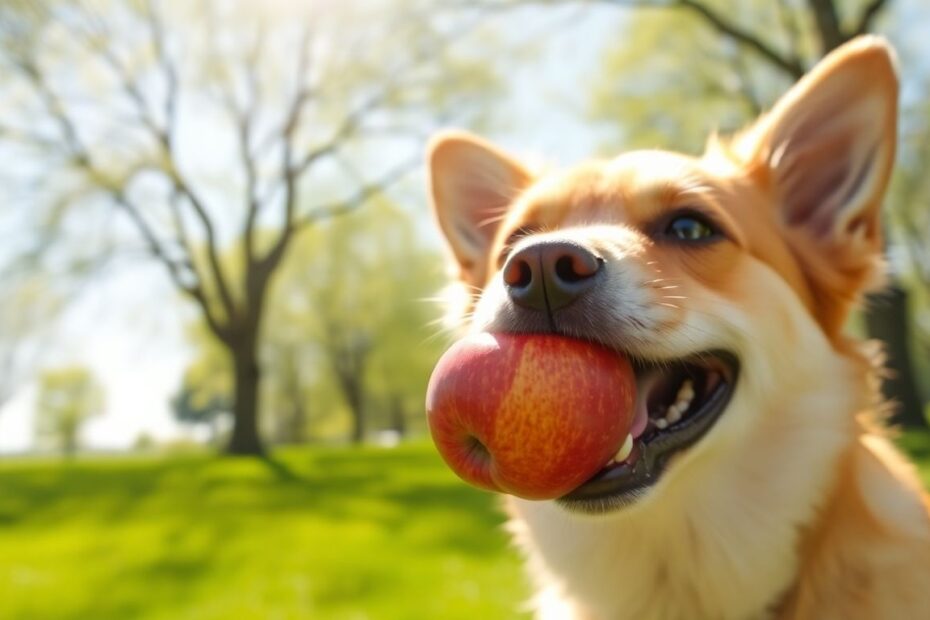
(690, 228)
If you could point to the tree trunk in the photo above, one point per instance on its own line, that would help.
(357, 408)
(887, 320)
(348, 354)
(299, 422)
(247, 377)
(295, 423)
(69, 446)
(398, 419)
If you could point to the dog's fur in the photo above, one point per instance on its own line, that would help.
(795, 505)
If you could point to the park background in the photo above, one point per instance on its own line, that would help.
(221, 278)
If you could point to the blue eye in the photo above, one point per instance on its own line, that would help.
(690, 228)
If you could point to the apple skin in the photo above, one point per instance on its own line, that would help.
(532, 415)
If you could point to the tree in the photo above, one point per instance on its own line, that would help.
(192, 406)
(289, 399)
(198, 124)
(67, 398)
(349, 329)
(728, 61)
(370, 314)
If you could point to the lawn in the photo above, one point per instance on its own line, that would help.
(323, 533)
(317, 533)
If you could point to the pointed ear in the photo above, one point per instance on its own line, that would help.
(828, 147)
(472, 184)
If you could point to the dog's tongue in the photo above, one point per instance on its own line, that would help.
(640, 419)
(644, 387)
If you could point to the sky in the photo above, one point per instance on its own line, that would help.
(128, 325)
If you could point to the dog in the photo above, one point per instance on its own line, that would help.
(763, 483)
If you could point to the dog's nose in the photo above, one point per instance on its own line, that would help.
(550, 274)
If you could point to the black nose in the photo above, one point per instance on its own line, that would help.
(550, 274)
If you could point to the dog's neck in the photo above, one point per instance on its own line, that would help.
(873, 536)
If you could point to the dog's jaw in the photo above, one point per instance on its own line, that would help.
(704, 542)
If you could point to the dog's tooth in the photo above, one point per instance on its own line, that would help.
(661, 423)
(685, 392)
(625, 450)
(682, 401)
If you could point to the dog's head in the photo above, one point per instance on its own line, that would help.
(726, 278)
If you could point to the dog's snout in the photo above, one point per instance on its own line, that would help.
(550, 274)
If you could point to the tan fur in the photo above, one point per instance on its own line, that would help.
(795, 506)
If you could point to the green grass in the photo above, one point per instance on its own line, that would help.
(316, 533)
(322, 533)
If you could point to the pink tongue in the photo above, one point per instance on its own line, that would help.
(641, 419)
(641, 416)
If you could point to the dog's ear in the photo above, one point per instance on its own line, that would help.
(472, 184)
(827, 148)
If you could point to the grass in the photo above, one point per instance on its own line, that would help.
(326, 533)
(315, 533)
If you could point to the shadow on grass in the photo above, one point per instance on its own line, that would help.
(279, 468)
(345, 529)
(396, 490)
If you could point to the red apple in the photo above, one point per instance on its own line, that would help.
(533, 415)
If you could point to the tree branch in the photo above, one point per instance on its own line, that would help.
(193, 290)
(349, 125)
(258, 270)
(169, 71)
(289, 172)
(360, 197)
(787, 64)
(180, 184)
(245, 120)
(163, 137)
(746, 90)
(789, 22)
(828, 25)
(869, 13)
(216, 269)
(82, 158)
(123, 77)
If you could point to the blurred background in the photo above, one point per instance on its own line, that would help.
(220, 275)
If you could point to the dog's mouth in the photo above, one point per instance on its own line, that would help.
(677, 403)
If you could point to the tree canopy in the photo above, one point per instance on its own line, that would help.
(67, 398)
